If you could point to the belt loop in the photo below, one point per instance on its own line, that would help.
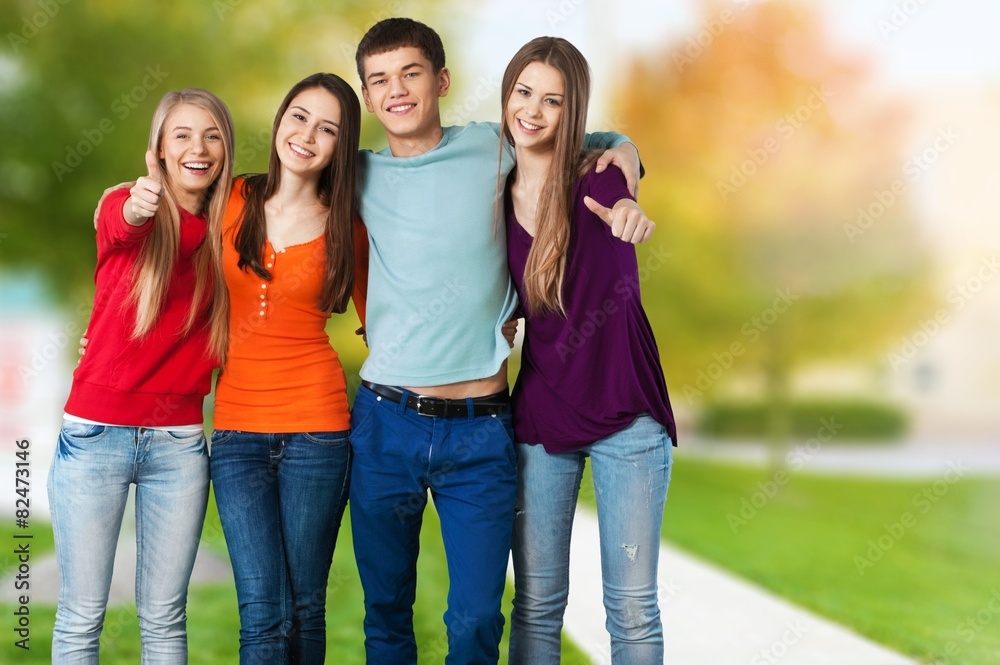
(470, 407)
(401, 407)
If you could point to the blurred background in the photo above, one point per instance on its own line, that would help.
(822, 282)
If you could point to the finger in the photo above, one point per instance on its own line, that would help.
(602, 162)
(153, 166)
(632, 183)
(604, 213)
(648, 233)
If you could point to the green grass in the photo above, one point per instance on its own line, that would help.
(213, 619)
(928, 589)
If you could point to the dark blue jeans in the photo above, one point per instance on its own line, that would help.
(281, 498)
(470, 467)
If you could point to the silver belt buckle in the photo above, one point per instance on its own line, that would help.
(420, 404)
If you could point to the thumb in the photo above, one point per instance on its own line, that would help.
(598, 209)
(153, 166)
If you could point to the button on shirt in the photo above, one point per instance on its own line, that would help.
(281, 373)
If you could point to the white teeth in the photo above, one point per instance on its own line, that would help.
(300, 151)
(401, 108)
(197, 166)
(530, 128)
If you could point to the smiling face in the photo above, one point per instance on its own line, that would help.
(193, 154)
(402, 89)
(306, 137)
(535, 107)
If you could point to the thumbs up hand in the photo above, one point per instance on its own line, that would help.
(145, 194)
(626, 219)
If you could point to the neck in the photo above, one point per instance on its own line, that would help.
(411, 146)
(190, 202)
(532, 168)
(296, 191)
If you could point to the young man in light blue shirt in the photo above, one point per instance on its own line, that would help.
(433, 410)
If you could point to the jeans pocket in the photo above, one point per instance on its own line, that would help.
(77, 432)
(221, 436)
(327, 438)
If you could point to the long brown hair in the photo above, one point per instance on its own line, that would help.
(546, 264)
(337, 189)
(151, 277)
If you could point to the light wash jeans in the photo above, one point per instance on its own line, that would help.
(281, 498)
(631, 471)
(88, 488)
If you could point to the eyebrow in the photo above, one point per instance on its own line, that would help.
(404, 68)
(547, 94)
(207, 129)
(306, 111)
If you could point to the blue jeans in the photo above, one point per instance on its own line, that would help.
(631, 471)
(281, 498)
(470, 467)
(88, 488)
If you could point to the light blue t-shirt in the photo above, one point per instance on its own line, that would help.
(438, 285)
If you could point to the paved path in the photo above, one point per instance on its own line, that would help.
(712, 617)
(921, 458)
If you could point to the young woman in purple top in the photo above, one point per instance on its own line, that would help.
(590, 383)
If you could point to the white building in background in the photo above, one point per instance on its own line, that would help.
(947, 370)
(37, 344)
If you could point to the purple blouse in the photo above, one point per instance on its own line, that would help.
(587, 376)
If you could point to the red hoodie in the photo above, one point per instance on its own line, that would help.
(161, 379)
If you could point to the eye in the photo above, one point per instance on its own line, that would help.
(298, 116)
(213, 137)
(523, 92)
(411, 75)
(378, 82)
(180, 136)
(553, 102)
(329, 131)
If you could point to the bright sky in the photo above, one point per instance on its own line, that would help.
(914, 43)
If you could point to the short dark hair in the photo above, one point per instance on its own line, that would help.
(395, 33)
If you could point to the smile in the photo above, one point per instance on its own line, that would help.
(400, 108)
(198, 168)
(528, 127)
(300, 151)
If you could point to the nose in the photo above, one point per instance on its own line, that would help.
(198, 146)
(534, 108)
(396, 87)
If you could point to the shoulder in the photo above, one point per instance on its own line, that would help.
(608, 187)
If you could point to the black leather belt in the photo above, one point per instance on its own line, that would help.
(424, 405)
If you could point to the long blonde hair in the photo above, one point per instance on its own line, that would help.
(545, 269)
(154, 268)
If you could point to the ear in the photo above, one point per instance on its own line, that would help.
(444, 82)
(368, 101)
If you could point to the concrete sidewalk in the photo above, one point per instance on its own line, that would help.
(711, 617)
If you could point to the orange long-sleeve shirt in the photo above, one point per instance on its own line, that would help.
(281, 374)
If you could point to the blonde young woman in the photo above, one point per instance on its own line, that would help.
(134, 414)
(590, 384)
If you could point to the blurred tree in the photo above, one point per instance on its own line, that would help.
(79, 82)
(775, 169)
